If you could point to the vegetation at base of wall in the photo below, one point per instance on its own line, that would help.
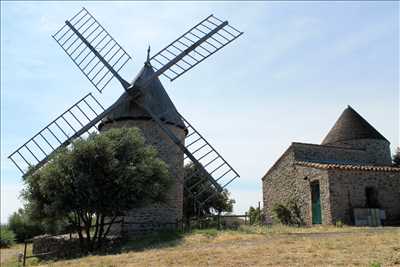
(7, 237)
(95, 180)
(287, 213)
(339, 223)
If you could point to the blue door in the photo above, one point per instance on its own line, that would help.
(316, 203)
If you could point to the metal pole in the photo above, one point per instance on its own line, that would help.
(219, 220)
(23, 263)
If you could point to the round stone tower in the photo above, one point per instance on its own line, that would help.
(353, 131)
(129, 114)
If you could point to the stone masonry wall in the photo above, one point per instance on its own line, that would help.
(377, 151)
(285, 181)
(305, 176)
(347, 189)
(167, 214)
(330, 154)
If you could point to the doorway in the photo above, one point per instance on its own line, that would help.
(316, 203)
(371, 195)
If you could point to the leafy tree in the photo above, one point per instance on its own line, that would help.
(7, 237)
(96, 180)
(254, 215)
(25, 227)
(198, 182)
(396, 158)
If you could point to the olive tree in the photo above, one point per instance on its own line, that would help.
(95, 180)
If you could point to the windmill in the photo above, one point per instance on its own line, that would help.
(143, 103)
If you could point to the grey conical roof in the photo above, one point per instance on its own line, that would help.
(351, 126)
(156, 98)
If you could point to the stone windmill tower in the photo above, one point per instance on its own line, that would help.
(351, 130)
(130, 114)
(143, 104)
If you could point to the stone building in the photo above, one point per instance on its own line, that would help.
(351, 169)
(130, 114)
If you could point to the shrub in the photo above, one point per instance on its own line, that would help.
(23, 226)
(254, 215)
(281, 213)
(375, 264)
(339, 223)
(7, 237)
(288, 214)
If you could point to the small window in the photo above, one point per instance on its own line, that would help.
(371, 195)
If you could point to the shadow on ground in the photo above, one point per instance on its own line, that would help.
(151, 241)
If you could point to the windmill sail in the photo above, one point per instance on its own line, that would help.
(199, 151)
(218, 169)
(194, 46)
(75, 122)
(92, 49)
(100, 58)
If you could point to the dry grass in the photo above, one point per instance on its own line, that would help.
(9, 255)
(261, 246)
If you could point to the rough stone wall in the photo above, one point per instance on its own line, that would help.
(377, 151)
(305, 177)
(329, 154)
(347, 190)
(285, 181)
(167, 214)
(57, 246)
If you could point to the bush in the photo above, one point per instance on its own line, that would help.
(339, 223)
(23, 226)
(254, 215)
(7, 237)
(288, 214)
(375, 264)
(282, 214)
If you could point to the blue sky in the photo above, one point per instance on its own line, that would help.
(287, 79)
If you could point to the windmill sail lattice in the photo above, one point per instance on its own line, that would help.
(209, 163)
(92, 49)
(58, 133)
(215, 165)
(194, 46)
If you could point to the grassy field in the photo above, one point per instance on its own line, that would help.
(249, 246)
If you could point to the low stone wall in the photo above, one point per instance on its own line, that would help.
(48, 247)
(57, 246)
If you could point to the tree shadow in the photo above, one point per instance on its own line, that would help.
(151, 241)
(161, 239)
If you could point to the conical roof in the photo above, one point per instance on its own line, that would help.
(351, 126)
(156, 98)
